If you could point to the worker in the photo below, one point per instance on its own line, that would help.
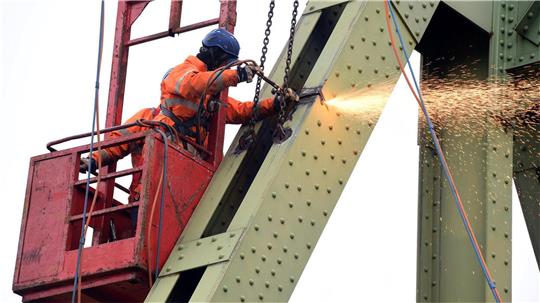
(181, 90)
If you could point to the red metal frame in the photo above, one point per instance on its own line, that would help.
(111, 271)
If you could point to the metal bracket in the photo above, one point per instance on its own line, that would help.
(202, 252)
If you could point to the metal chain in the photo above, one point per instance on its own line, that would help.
(281, 99)
(264, 50)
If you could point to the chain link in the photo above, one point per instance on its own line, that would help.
(281, 98)
(264, 50)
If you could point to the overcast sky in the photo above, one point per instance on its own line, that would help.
(48, 55)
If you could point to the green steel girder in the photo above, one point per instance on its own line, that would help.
(289, 200)
(276, 199)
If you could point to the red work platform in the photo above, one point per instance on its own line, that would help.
(114, 268)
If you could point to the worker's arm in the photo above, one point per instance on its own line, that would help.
(240, 112)
(190, 83)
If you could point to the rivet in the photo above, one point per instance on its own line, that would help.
(237, 279)
(325, 213)
(506, 208)
(299, 188)
(198, 243)
(250, 282)
(319, 123)
(308, 202)
(337, 75)
(374, 43)
(307, 132)
(225, 288)
(232, 235)
(308, 246)
(348, 67)
(291, 205)
(269, 245)
(332, 156)
(406, 15)
(261, 297)
(359, 70)
(330, 127)
(347, 127)
(316, 186)
(286, 185)
(291, 279)
(296, 256)
(315, 157)
(285, 249)
(506, 262)
(253, 249)
(275, 235)
(377, 11)
(274, 195)
(303, 153)
(339, 141)
(180, 247)
(291, 162)
(434, 283)
(340, 181)
(256, 227)
(324, 171)
(367, 57)
(343, 160)
(269, 218)
(300, 219)
(180, 257)
(506, 235)
(242, 256)
(493, 255)
(506, 290)
(291, 235)
(329, 190)
(279, 261)
(263, 258)
(351, 46)
(280, 288)
(307, 172)
(257, 270)
(323, 142)
(282, 221)
(266, 284)
(214, 239)
(366, 18)
(273, 273)
(242, 299)
(355, 152)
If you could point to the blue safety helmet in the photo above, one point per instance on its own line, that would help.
(224, 40)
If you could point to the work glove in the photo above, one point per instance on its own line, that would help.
(85, 163)
(246, 73)
(290, 97)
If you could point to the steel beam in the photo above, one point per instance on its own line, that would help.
(286, 202)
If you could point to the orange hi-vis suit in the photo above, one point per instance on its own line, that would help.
(181, 90)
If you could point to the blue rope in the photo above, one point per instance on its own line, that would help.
(440, 155)
(87, 191)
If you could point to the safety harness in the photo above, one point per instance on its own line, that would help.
(185, 127)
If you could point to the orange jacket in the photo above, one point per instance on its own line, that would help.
(182, 87)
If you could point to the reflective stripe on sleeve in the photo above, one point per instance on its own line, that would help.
(180, 79)
(170, 102)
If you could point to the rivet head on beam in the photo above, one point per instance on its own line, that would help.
(251, 282)
(225, 288)
(308, 203)
(253, 249)
(282, 221)
(257, 270)
(242, 299)
(291, 235)
(266, 284)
